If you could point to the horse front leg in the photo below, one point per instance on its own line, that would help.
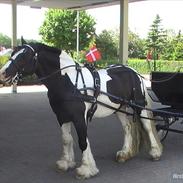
(88, 166)
(67, 159)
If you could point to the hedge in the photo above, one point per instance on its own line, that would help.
(145, 67)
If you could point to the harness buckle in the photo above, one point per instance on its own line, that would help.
(16, 78)
(78, 67)
(97, 82)
(94, 100)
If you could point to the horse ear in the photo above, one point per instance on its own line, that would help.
(23, 41)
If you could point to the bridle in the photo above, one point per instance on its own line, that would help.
(18, 75)
(19, 69)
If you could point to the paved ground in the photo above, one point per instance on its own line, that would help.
(30, 144)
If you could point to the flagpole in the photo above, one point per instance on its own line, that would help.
(77, 43)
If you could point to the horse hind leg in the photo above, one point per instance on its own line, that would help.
(155, 144)
(67, 159)
(131, 138)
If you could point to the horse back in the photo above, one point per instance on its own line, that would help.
(126, 84)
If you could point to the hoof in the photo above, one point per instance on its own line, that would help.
(123, 156)
(156, 153)
(156, 158)
(85, 172)
(64, 165)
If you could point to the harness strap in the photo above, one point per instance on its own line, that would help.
(96, 89)
(79, 71)
(96, 79)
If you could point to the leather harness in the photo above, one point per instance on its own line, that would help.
(96, 81)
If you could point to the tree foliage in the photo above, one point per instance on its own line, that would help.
(174, 47)
(136, 46)
(156, 38)
(59, 29)
(107, 43)
(5, 41)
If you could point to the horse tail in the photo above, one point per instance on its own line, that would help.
(136, 131)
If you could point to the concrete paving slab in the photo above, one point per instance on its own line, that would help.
(30, 144)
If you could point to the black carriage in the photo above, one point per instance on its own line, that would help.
(167, 89)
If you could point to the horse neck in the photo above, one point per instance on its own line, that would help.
(65, 62)
(47, 64)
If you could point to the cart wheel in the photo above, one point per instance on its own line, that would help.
(162, 122)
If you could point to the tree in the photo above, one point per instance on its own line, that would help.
(156, 39)
(107, 43)
(174, 47)
(177, 47)
(136, 46)
(60, 26)
(5, 41)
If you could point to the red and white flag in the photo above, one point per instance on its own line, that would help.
(93, 55)
(149, 56)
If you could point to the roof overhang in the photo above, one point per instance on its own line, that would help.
(66, 4)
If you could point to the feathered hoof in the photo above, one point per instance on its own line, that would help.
(123, 156)
(156, 153)
(86, 171)
(64, 165)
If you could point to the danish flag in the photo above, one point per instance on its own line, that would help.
(93, 55)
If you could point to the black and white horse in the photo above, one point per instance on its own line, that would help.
(58, 73)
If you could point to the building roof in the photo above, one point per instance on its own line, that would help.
(68, 4)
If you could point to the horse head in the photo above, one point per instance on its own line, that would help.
(22, 61)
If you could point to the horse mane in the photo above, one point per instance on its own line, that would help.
(43, 47)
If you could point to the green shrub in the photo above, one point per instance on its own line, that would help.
(145, 67)
(3, 60)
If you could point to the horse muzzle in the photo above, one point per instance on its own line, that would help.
(4, 78)
(3, 74)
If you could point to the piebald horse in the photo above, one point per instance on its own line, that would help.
(57, 71)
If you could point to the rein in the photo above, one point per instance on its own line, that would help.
(132, 104)
(18, 76)
(91, 98)
(55, 72)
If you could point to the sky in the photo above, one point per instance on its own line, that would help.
(141, 16)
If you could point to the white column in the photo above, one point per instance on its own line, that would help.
(14, 23)
(14, 34)
(123, 47)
